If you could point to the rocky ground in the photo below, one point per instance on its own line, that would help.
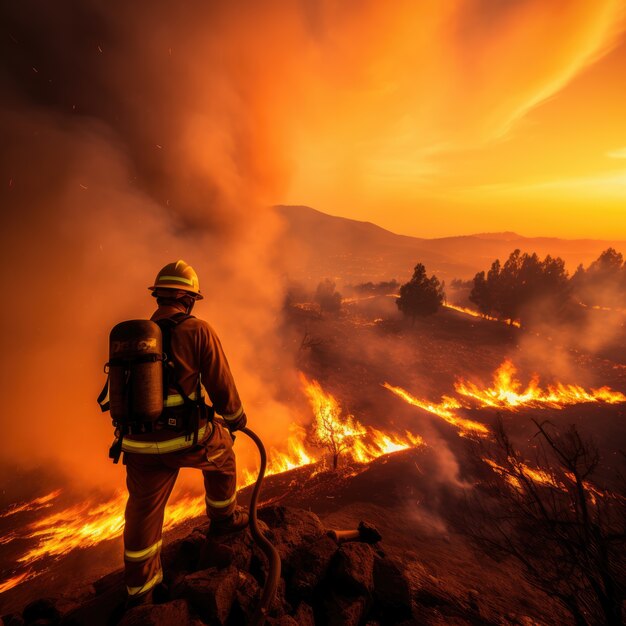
(218, 582)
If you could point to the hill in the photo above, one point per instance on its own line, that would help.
(351, 251)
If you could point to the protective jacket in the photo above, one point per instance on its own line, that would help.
(196, 349)
(154, 458)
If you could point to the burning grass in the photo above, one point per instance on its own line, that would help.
(507, 392)
(90, 523)
(473, 313)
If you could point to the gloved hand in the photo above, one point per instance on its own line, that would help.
(237, 424)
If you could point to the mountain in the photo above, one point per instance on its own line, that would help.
(350, 251)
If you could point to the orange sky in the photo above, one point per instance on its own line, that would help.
(464, 117)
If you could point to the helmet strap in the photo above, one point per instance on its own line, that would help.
(188, 302)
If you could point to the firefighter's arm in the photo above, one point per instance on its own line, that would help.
(219, 382)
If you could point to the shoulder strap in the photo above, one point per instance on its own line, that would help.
(103, 398)
(167, 324)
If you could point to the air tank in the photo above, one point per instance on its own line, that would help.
(136, 371)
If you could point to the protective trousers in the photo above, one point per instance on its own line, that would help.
(150, 479)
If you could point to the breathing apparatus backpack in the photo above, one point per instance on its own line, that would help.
(140, 373)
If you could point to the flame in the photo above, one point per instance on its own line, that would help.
(508, 392)
(343, 434)
(38, 503)
(15, 581)
(278, 462)
(444, 410)
(84, 525)
(536, 475)
(89, 523)
(379, 444)
(473, 313)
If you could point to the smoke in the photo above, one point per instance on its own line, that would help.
(134, 137)
(136, 134)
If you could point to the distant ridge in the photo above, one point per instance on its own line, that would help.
(319, 245)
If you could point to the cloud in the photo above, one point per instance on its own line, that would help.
(617, 154)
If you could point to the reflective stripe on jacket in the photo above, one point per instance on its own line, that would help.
(150, 446)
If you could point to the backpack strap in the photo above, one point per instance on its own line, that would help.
(103, 398)
(166, 325)
(197, 407)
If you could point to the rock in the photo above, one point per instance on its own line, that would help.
(279, 606)
(42, 612)
(353, 570)
(289, 527)
(247, 597)
(309, 563)
(175, 612)
(304, 615)
(472, 599)
(284, 620)
(392, 594)
(98, 610)
(220, 552)
(212, 592)
(110, 582)
(368, 533)
(183, 555)
(12, 619)
(342, 611)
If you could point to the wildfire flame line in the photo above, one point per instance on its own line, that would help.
(508, 392)
(34, 505)
(444, 410)
(342, 433)
(473, 313)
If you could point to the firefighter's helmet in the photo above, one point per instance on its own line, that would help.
(180, 276)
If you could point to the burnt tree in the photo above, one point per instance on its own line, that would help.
(556, 520)
(327, 297)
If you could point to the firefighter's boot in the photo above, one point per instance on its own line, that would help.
(236, 522)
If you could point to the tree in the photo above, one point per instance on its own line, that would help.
(328, 299)
(603, 283)
(421, 295)
(332, 429)
(566, 531)
(521, 288)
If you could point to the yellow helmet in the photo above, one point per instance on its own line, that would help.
(179, 276)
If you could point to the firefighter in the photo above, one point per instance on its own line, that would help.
(153, 458)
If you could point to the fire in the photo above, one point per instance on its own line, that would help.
(342, 434)
(34, 505)
(88, 524)
(278, 462)
(473, 313)
(15, 581)
(536, 475)
(379, 443)
(445, 410)
(81, 526)
(508, 392)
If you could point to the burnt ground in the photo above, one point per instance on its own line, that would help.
(416, 498)
(354, 353)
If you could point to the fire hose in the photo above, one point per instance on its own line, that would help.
(273, 558)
